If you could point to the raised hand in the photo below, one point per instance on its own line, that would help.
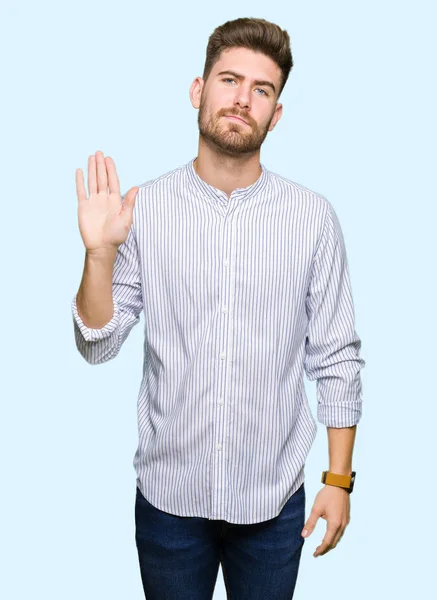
(104, 220)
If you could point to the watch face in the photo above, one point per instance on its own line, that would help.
(352, 480)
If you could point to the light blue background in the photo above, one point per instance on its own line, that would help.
(358, 126)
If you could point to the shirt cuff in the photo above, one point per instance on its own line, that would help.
(94, 335)
(344, 414)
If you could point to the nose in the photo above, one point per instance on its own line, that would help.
(242, 97)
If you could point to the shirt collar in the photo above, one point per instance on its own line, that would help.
(239, 194)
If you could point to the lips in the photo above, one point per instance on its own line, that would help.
(239, 118)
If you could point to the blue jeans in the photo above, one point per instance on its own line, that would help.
(179, 557)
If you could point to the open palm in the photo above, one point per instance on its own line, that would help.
(104, 220)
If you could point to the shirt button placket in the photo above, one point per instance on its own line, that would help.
(219, 445)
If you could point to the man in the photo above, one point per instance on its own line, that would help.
(243, 280)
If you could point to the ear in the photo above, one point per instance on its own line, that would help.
(276, 116)
(196, 91)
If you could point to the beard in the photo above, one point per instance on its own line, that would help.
(230, 136)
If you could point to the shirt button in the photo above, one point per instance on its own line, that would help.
(225, 309)
(219, 446)
(223, 356)
(221, 401)
(226, 262)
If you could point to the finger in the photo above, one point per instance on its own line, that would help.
(327, 541)
(80, 186)
(102, 181)
(92, 178)
(339, 535)
(114, 183)
(337, 539)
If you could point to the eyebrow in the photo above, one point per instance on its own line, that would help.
(240, 77)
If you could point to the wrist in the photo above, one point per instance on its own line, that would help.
(340, 470)
(101, 254)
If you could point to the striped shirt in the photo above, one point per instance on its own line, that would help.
(240, 295)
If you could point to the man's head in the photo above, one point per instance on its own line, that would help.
(247, 65)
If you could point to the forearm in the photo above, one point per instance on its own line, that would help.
(94, 299)
(341, 443)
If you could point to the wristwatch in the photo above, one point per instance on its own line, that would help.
(344, 481)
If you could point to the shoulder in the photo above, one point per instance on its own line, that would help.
(169, 179)
(299, 193)
(317, 213)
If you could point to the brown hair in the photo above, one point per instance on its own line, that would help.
(258, 35)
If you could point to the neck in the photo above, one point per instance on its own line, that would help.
(226, 172)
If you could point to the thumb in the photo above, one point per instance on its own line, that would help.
(310, 524)
(129, 201)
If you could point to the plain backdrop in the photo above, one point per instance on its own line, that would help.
(358, 126)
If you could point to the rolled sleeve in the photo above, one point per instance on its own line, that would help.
(332, 344)
(100, 345)
(93, 335)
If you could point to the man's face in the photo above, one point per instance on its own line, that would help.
(225, 94)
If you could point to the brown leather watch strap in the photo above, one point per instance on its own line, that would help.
(336, 479)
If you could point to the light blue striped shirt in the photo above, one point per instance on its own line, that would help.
(240, 297)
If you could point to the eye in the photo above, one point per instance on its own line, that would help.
(232, 79)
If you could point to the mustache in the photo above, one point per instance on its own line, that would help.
(233, 113)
